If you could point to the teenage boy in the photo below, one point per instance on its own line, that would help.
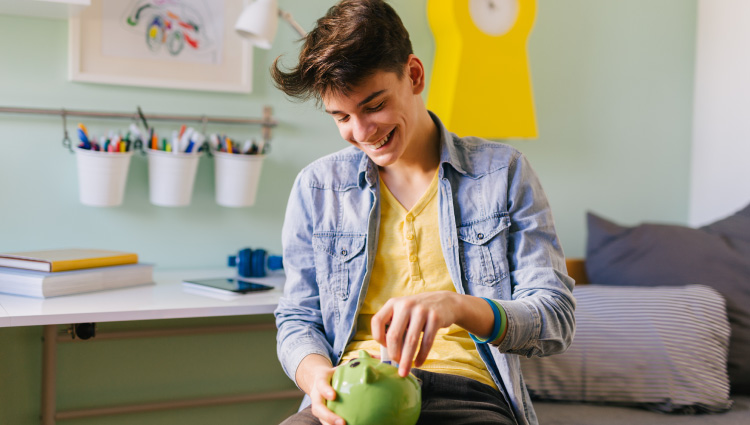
(441, 248)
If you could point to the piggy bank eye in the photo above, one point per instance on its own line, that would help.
(354, 364)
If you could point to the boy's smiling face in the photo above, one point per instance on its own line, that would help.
(379, 115)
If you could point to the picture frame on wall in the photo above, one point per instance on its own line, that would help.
(180, 44)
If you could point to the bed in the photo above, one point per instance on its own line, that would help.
(662, 328)
(555, 409)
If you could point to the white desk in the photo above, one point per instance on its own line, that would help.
(164, 300)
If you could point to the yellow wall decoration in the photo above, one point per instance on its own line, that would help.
(480, 84)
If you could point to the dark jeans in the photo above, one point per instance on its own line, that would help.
(446, 399)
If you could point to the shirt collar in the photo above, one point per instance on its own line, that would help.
(368, 171)
(448, 152)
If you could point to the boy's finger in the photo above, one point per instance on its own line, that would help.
(411, 343)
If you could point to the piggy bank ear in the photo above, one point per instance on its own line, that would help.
(364, 354)
(371, 375)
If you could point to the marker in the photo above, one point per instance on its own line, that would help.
(385, 358)
(185, 138)
(84, 139)
(247, 147)
(198, 140)
(83, 128)
(214, 141)
(175, 142)
(154, 141)
(229, 146)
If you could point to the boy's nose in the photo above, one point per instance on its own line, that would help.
(364, 130)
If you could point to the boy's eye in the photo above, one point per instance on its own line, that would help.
(343, 119)
(376, 108)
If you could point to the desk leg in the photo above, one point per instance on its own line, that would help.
(49, 374)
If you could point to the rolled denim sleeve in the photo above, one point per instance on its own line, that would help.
(540, 314)
(298, 315)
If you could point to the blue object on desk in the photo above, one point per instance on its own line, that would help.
(254, 263)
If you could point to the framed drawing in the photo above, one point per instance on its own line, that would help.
(178, 44)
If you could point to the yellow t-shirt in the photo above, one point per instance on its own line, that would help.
(410, 261)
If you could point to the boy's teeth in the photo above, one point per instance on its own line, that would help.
(376, 147)
(381, 143)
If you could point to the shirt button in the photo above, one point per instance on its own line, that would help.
(480, 236)
(343, 252)
(409, 218)
(413, 258)
(410, 236)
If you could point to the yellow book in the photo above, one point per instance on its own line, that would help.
(58, 260)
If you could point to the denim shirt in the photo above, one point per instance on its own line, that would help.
(497, 236)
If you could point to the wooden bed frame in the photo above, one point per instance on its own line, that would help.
(577, 270)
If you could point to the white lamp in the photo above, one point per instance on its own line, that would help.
(260, 19)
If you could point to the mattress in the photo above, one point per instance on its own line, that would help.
(553, 413)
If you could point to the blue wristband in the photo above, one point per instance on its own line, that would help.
(496, 327)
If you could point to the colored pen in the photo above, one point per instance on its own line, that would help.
(229, 146)
(83, 128)
(198, 140)
(214, 142)
(185, 139)
(154, 141)
(175, 141)
(84, 139)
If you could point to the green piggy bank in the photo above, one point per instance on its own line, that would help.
(369, 392)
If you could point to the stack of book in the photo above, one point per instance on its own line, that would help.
(52, 273)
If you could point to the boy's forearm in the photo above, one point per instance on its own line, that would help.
(307, 370)
(476, 316)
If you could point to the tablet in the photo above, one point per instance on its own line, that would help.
(227, 285)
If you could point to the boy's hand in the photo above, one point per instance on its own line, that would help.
(314, 377)
(320, 392)
(407, 319)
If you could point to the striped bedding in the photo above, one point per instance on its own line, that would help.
(661, 348)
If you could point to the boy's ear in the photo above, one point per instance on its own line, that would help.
(415, 71)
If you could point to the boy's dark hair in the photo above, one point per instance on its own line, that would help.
(351, 42)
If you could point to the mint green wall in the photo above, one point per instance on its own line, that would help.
(613, 88)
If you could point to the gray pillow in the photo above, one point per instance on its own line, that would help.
(717, 255)
(661, 348)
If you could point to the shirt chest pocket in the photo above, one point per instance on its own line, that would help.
(484, 248)
(336, 255)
